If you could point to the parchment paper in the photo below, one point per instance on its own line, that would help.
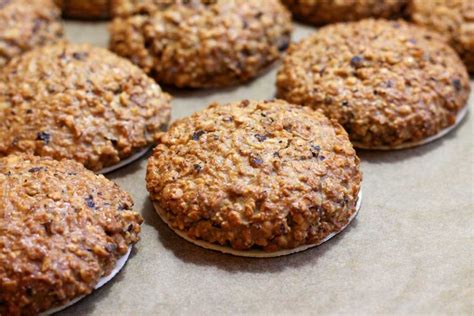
(410, 250)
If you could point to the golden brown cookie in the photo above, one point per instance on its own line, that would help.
(255, 175)
(203, 44)
(126, 8)
(453, 18)
(62, 228)
(319, 12)
(79, 102)
(25, 24)
(391, 84)
(86, 9)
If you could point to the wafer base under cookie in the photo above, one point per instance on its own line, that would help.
(430, 139)
(120, 264)
(127, 161)
(253, 253)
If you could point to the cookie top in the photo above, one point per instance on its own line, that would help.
(203, 44)
(388, 83)
(255, 175)
(319, 12)
(86, 9)
(453, 18)
(130, 7)
(62, 228)
(79, 102)
(25, 24)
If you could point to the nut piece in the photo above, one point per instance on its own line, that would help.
(255, 175)
(389, 83)
(79, 102)
(320, 12)
(25, 24)
(452, 18)
(203, 44)
(62, 228)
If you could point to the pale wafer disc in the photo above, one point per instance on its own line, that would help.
(126, 161)
(120, 264)
(253, 253)
(441, 133)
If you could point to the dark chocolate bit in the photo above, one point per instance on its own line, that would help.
(283, 44)
(328, 100)
(198, 134)
(261, 138)
(90, 201)
(80, 55)
(44, 136)
(315, 149)
(197, 167)
(322, 158)
(357, 61)
(35, 169)
(47, 228)
(457, 84)
(345, 102)
(276, 154)
(255, 160)
(29, 111)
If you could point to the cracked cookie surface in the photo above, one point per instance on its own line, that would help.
(79, 102)
(389, 83)
(62, 228)
(255, 175)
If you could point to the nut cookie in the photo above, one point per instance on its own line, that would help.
(62, 228)
(25, 24)
(204, 44)
(255, 175)
(453, 18)
(319, 12)
(79, 102)
(86, 9)
(391, 84)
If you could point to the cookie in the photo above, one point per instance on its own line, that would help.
(86, 9)
(391, 84)
(262, 177)
(25, 24)
(126, 8)
(320, 12)
(453, 18)
(62, 228)
(79, 102)
(203, 44)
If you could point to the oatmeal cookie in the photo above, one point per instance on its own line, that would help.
(62, 228)
(203, 44)
(453, 18)
(25, 24)
(255, 175)
(86, 9)
(79, 102)
(390, 84)
(320, 12)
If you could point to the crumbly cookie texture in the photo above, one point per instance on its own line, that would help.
(388, 83)
(79, 102)
(25, 24)
(62, 228)
(130, 7)
(86, 9)
(255, 175)
(453, 18)
(319, 12)
(203, 44)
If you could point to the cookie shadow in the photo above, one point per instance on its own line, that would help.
(195, 255)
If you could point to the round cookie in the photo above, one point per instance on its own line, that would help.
(391, 84)
(79, 102)
(86, 9)
(453, 18)
(204, 44)
(255, 176)
(320, 12)
(25, 24)
(62, 228)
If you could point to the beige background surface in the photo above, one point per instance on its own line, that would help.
(409, 251)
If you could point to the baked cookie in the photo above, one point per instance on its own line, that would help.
(391, 84)
(62, 228)
(255, 176)
(319, 12)
(126, 8)
(453, 18)
(79, 102)
(86, 9)
(201, 44)
(25, 24)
